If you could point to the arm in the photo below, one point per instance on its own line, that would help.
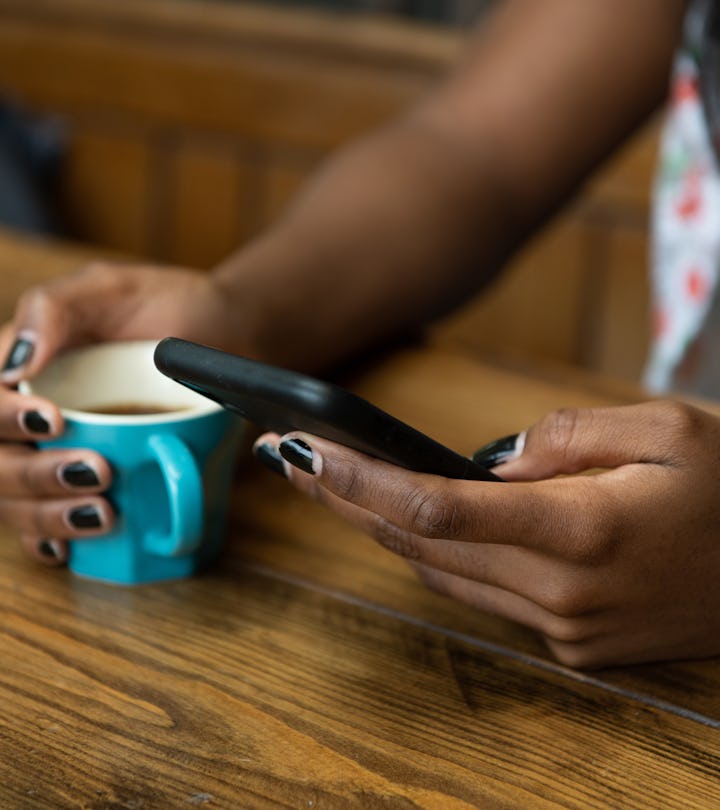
(405, 222)
(394, 229)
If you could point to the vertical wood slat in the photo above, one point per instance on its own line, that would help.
(533, 308)
(624, 324)
(208, 206)
(107, 187)
(616, 210)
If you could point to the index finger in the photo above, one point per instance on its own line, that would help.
(562, 516)
(62, 313)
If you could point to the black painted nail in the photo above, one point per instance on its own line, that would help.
(35, 422)
(268, 455)
(85, 517)
(79, 474)
(496, 452)
(20, 354)
(48, 549)
(53, 550)
(298, 453)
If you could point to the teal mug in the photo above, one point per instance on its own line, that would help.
(172, 455)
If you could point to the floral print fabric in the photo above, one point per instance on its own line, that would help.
(686, 234)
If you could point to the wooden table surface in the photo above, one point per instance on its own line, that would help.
(309, 669)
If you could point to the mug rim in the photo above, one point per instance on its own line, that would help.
(129, 419)
(175, 412)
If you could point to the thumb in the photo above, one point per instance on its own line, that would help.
(572, 440)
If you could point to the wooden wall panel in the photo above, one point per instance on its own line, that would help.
(535, 307)
(209, 197)
(623, 332)
(623, 186)
(616, 208)
(108, 189)
(285, 87)
(175, 77)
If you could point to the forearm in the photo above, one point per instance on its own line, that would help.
(390, 232)
(405, 222)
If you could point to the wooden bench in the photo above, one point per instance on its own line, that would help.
(191, 124)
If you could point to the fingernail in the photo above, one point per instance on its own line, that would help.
(298, 453)
(79, 474)
(51, 549)
(500, 451)
(35, 422)
(20, 354)
(85, 517)
(270, 457)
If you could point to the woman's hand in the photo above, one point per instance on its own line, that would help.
(106, 301)
(55, 494)
(616, 567)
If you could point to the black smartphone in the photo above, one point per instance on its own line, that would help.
(280, 400)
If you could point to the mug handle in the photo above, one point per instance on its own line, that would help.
(183, 482)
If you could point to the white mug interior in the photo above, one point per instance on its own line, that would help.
(81, 381)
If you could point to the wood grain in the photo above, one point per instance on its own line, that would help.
(239, 689)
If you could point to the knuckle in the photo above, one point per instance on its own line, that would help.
(565, 598)
(431, 514)
(12, 514)
(587, 549)
(679, 420)
(559, 428)
(347, 481)
(561, 602)
(32, 478)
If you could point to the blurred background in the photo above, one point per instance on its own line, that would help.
(460, 12)
(175, 130)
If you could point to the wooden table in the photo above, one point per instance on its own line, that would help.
(309, 669)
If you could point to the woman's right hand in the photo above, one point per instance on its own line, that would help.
(51, 495)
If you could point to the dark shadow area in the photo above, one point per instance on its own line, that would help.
(31, 151)
(460, 12)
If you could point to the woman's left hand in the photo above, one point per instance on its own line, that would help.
(616, 567)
